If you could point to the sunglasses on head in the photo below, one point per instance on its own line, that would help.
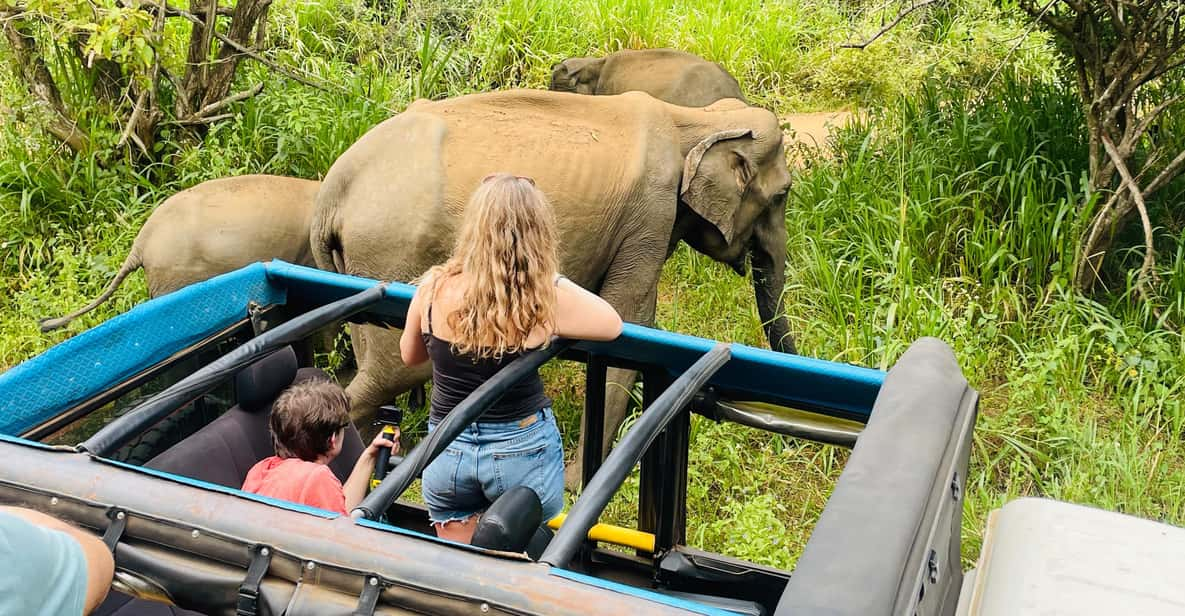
(517, 177)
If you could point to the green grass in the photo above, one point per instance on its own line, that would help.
(951, 211)
(785, 54)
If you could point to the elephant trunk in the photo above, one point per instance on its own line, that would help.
(767, 255)
(561, 84)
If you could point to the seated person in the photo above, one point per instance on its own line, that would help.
(50, 567)
(308, 425)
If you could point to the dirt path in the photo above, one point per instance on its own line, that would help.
(809, 131)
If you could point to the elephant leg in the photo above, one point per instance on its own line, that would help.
(381, 376)
(631, 287)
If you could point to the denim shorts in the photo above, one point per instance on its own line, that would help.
(488, 459)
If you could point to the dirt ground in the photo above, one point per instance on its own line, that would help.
(809, 131)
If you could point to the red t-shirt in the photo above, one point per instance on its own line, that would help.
(296, 480)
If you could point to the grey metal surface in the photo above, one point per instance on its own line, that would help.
(1048, 558)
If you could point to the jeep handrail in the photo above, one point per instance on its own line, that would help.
(115, 434)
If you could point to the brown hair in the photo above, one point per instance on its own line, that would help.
(306, 416)
(507, 249)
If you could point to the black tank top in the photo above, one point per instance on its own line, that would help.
(456, 375)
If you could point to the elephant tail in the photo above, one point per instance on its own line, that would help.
(323, 236)
(132, 263)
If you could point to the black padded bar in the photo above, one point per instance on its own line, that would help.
(465, 413)
(888, 539)
(626, 454)
(115, 434)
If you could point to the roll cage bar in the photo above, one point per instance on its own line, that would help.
(628, 452)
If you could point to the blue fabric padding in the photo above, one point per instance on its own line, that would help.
(825, 386)
(99, 358)
(197, 483)
(321, 287)
(641, 593)
(806, 382)
(16, 440)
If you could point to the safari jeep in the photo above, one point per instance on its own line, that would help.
(141, 430)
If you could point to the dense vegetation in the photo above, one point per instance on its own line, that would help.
(954, 209)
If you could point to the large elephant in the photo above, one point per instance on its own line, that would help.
(666, 74)
(629, 177)
(213, 228)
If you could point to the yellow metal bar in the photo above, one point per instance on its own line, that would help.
(617, 535)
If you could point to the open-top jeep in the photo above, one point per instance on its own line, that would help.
(143, 428)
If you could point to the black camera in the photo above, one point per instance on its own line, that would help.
(389, 415)
(388, 418)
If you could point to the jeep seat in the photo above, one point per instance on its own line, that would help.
(223, 451)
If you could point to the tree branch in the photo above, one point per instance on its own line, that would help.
(230, 100)
(251, 53)
(1146, 269)
(900, 16)
(1129, 141)
(1167, 174)
(196, 121)
(129, 130)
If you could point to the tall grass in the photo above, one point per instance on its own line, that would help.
(785, 54)
(951, 210)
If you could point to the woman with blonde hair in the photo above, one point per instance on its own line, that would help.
(499, 296)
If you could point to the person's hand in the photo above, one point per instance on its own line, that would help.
(380, 441)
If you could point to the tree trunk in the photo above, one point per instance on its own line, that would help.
(30, 68)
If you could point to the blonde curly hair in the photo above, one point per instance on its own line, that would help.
(506, 248)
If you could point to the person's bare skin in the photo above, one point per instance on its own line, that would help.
(580, 314)
(100, 566)
(355, 485)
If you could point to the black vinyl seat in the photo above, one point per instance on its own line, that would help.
(511, 522)
(223, 451)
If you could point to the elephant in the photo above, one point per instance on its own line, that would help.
(628, 176)
(666, 74)
(212, 228)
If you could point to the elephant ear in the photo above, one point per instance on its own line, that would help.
(584, 71)
(715, 177)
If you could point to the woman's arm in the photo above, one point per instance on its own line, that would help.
(411, 343)
(583, 315)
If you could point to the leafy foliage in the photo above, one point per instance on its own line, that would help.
(952, 209)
